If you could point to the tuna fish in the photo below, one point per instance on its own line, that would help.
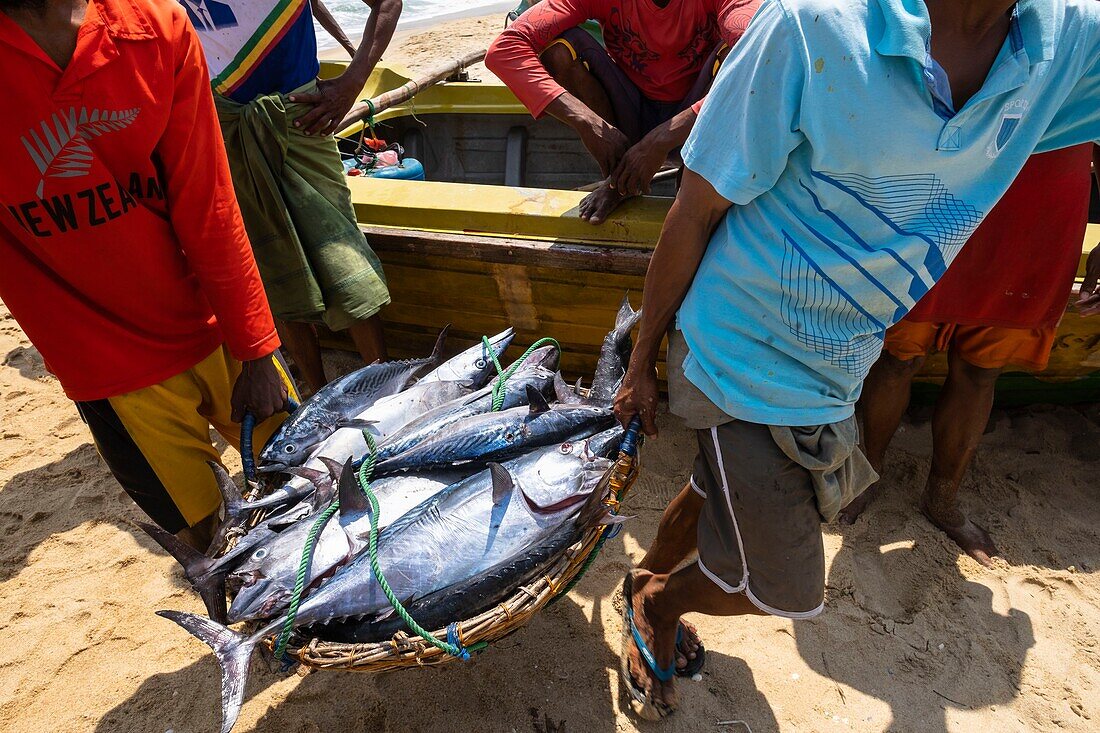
(335, 404)
(391, 413)
(614, 356)
(532, 372)
(461, 533)
(266, 578)
(497, 436)
(473, 359)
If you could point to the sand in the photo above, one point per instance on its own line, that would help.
(913, 638)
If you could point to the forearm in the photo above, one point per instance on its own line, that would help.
(685, 235)
(377, 35)
(672, 134)
(573, 112)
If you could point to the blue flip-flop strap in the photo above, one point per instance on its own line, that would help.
(664, 675)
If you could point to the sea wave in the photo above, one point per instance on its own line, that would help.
(352, 14)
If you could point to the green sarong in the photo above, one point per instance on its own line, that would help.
(315, 263)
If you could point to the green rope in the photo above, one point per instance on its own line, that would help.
(364, 475)
(503, 375)
(365, 471)
(300, 580)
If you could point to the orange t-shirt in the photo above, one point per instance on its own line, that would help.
(660, 49)
(122, 250)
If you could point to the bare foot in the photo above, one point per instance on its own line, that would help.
(660, 637)
(596, 206)
(974, 540)
(689, 643)
(850, 513)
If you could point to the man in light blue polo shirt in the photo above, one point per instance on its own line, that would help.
(841, 161)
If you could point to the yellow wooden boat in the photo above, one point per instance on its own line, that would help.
(493, 236)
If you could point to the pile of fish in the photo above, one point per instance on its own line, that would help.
(473, 501)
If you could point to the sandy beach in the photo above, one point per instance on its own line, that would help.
(913, 637)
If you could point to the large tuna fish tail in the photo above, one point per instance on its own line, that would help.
(233, 651)
(196, 568)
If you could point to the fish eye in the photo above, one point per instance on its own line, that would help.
(290, 448)
(566, 448)
(480, 363)
(259, 554)
(509, 437)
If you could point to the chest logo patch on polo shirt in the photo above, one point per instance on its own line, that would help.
(1010, 120)
(60, 149)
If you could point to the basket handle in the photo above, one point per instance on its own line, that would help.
(248, 425)
(632, 438)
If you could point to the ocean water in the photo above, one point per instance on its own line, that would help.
(352, 14)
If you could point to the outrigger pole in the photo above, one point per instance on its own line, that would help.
(405, 92)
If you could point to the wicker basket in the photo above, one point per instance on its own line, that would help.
(404, 650)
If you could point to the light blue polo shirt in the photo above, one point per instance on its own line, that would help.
(855, 183)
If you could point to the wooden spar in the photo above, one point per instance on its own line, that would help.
(409, 89)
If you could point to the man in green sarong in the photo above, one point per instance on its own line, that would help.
(277, 119)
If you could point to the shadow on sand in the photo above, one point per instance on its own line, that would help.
(555, 675)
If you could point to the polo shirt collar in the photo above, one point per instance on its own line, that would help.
(907, 29)
(1037, 28)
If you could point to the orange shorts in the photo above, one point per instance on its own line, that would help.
(986, 347)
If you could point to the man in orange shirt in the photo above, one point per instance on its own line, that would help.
(122, 252)
(993, 308)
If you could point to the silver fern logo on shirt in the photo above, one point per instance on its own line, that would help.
(60, 146)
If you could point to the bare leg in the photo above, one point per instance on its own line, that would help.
(676, 539)
(676, 534)
(962, 412)
(659, 601)
(884, 400)
(301, 341)
(370, 339)
(575, 77)
(580, 82)
(201, 535)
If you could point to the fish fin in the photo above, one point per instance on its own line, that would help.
(351, 496)
(196, 568)
(538, 403)
(564, 393)
(627, 317)
(311, 475)
(503, 483)
(233, 652)
(436, 357)
(555, 507)
(235, 505)
(391, 611)
(354, 422)
(613, 519)
(327, 489)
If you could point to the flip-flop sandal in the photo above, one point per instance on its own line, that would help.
(640, 701)
(693, 666)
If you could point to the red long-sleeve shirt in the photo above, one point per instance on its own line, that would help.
(123, 255)
(660, 49)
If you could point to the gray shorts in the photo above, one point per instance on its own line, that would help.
(760, 529)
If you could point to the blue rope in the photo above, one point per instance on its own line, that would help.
(248, 426)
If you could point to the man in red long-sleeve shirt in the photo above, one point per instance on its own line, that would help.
(632, 103)
(122, 251)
